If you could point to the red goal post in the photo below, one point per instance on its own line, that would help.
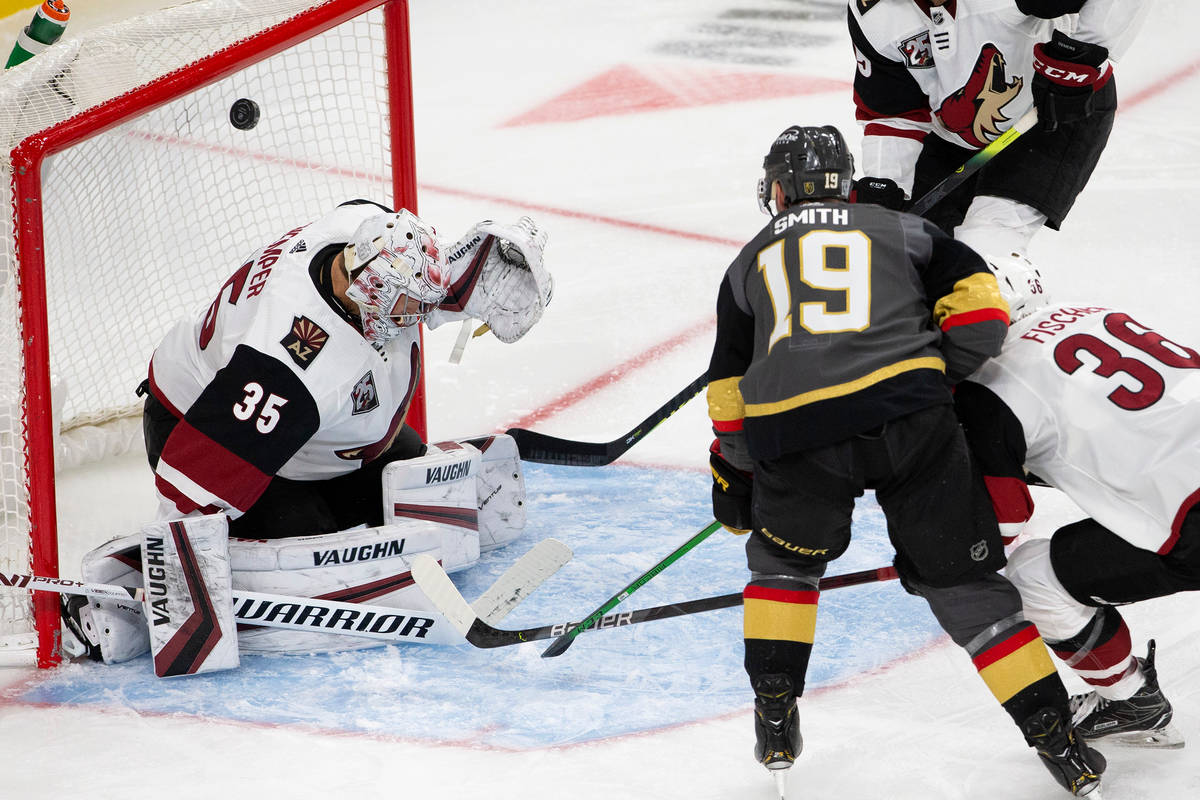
(133, 196)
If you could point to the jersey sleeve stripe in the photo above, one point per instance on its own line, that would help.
(972, 317)
(725, 404)
(976, 293)
(213, 468)
(882, 129)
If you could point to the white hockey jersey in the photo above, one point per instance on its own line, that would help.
(275, 378)
(1111, 416)
(962, 71)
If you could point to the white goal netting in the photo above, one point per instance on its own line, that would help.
(145, 218)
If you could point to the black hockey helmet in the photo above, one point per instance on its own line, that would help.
(809, 163)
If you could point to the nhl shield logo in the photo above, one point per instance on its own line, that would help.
(304, 342)
(979, 551)
(363, 396)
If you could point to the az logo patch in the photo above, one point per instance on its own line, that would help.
(304, 342)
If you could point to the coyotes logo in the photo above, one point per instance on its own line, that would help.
(304, 341)
(974, 111)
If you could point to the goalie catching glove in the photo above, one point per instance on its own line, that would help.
(497, 277)
(731, 492)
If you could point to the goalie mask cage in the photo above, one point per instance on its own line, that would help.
(134, 196)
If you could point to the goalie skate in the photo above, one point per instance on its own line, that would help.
(1143, 720)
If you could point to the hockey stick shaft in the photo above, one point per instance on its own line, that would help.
(559, 646)
(434, 581)
(974, 164)
(544, 449)
(621, 619)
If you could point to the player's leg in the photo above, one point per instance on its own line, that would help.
(1067, 584)
(801, 511)
(948, 552)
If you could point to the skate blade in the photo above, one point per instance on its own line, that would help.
(780, 776)
(1167, 737)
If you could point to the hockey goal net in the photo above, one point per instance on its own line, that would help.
(134, 195)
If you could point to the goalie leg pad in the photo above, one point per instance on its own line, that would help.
(499, 490)
(365, 565)
(189, 595)
(117, 627)
(438, 487)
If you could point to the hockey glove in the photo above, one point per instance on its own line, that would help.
(1067, 76)
(880, 191)
(730, 493)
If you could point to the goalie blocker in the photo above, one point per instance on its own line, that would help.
(461, 498)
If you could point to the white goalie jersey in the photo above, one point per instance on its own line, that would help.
(275, 378)
(1111, 416)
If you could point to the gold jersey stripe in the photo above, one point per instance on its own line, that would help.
(843, 389)
(771, 619)
(972, 293)
(1023, 667)
(725, 400)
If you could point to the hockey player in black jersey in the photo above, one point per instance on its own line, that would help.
(840, 330)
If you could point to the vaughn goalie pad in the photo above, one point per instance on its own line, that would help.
(364, 565)
(438, 487)
(189, 595)
(499, 490)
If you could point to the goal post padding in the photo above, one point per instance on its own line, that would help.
(134, 195)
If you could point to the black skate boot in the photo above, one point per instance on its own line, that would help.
(75, 642)
(1142, 720)
(1075, 766)
(776, 726)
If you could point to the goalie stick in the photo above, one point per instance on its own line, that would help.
(544, 449)
(437, 585)
(973, 164)
(316, 614)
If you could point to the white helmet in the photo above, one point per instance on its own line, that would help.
(1021, 284)
(392, 255)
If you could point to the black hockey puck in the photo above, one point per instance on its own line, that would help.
(243, 114)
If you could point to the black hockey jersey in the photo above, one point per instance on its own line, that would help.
(836, 318)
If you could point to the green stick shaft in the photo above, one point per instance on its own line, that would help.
(973, 164)
(559, 645)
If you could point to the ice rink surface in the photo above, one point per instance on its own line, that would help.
(634, 133)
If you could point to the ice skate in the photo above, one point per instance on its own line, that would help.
(1143, 720)
(1075, 766)
(776, 726)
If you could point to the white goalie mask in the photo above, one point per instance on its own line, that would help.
(392, 256)
(1021, 284)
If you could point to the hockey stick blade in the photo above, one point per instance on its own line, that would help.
(479, 633)
(544, 449)
(526, 574)
(974, 164)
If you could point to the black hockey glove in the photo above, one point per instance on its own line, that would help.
(880, 191)
(1067, 75)
(730, 493)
